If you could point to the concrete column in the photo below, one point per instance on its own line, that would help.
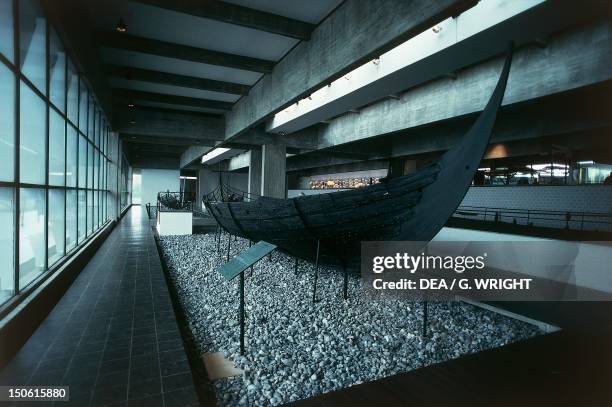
(273, 168)
(254, 172)
(207, 182)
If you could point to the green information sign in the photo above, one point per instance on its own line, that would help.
(245, 259)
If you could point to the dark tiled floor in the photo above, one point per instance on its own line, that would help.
(113, 337)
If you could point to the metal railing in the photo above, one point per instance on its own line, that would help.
(151, 211)
(584, 221)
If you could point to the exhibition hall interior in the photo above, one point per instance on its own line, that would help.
(209, 202)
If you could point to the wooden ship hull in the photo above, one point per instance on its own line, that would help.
(413, 207)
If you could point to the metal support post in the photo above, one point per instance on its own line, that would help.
(229, 241)
(241, 312)
(251, 268)
(424, 318)
(316, 277)
(345, 283)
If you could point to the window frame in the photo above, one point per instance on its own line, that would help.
(19, 78)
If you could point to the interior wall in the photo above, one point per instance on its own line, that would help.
(155, 180)
(566, 198)
(209, 180)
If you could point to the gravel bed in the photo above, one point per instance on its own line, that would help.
(295, 349)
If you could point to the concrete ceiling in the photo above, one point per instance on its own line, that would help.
(311, 11)
(193, 55)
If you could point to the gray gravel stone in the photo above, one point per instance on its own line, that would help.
(295, 349)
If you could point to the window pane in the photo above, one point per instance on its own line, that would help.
(7, 124)
(71, 219)
(32, 33)
(96, 171)
(56, 237)
(108, 205)
(83, 104)
(31, 234)
(57, 69)
(82, 215)
(6, 32)
(82, 161)
(98, 134)
(73, 94)
(91, 117)
(31, 136)
(90, 164)
(71, 157)
(96, 208)
(7, 243)
(89, 212)
(103, 132)
(56, 148)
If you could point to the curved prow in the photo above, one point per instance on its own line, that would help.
(457, 168)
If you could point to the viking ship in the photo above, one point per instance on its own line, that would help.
(330, 227)
(173, 201)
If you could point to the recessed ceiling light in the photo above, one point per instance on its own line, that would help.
(121, 27)
(132, 121)
(131, 105)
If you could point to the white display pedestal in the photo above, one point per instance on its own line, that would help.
(174, 223)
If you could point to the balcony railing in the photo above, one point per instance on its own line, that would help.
(583, 221)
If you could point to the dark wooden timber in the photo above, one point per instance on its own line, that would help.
(184, 52)
(238, 15)
(413, 207)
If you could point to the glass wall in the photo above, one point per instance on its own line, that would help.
(53, 152)
(7, 243)
(7, 123)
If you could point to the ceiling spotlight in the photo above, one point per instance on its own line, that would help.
(132, 121)
(436, 29)
(131, 105)
(121, 27)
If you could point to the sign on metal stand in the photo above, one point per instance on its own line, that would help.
(236, 267)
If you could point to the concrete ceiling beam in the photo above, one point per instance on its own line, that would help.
(238, 15)
(177, 51)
